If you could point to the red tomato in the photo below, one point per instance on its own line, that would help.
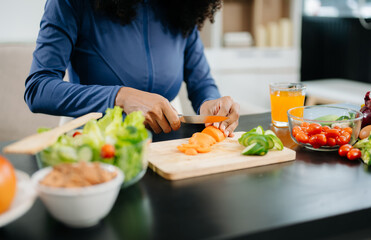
(333, 133)
(321, 139)
(314, 141)
(314, 128)
(348, 129)
(347, 135)
(341, 140)
(343, 150)
(325, 128)
(107, 151)
(331, 142)
(354, 154)
(304, 124)
(302, 137)
(296, 130)
(76, 133)
(305, 130)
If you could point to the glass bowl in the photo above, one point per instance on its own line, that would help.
(324, 127)
(133, 161)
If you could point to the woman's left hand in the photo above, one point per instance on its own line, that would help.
(224, 106)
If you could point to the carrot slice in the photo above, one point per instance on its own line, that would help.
(203, 149)
(202, 139)
(214, 132)
(190, 151)
(182, 149)
(201, 142)
(187, 145)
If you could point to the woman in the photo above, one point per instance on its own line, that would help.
(130, 53)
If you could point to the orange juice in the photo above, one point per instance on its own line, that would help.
(284, 97)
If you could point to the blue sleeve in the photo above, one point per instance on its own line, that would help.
(46, 92)
(200, 84)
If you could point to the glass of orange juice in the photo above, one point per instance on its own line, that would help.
(283, 97)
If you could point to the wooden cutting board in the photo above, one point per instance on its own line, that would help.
(165, 159)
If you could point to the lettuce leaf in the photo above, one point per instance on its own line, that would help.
(128, 137)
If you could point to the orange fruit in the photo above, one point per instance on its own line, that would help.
(8, 183)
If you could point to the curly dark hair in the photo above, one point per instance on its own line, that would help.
(181, 15)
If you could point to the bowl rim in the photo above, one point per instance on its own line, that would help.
(323, 121)
(81, 191)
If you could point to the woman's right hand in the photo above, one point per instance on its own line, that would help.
(158, 112)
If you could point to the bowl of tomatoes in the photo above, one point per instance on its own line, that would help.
(324, 127)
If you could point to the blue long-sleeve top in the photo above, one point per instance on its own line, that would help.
(102, 55)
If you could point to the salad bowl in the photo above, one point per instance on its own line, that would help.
(109, 140)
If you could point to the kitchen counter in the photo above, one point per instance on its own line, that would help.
(319, 195)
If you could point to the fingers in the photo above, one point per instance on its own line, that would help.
(151, 124)
(224, 106)
(229, 130)
(229, 125)
(163, 118)
(171, 117)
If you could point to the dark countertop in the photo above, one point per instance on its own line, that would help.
(320, 195)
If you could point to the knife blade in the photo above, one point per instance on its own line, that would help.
(201, 119)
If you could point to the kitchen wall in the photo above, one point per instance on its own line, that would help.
(19, 26)
(20, 19)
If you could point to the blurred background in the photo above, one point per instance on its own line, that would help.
(325, 43)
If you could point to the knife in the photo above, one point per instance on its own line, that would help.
(201, 119)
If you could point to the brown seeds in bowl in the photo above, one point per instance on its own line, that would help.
(77, 175)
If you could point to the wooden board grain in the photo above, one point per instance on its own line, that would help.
(165, 159)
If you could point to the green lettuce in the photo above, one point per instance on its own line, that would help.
(128, 137)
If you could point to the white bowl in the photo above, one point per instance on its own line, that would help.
(79, 207)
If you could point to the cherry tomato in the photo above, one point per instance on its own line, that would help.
(305, 130)
(331, 142)
(341, 140)
(302, 137)
(343, 150)
(333, 133)
(107, 151)
(304, 124)
(354, 154)
(348, 129)
(76, 134)
(296, 130)
(313, 141)
(325, 128)
(314, 128)
(321, 139)
(347, 135)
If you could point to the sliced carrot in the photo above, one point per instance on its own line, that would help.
(202, 139)
(190, 151)
(187, 145)
(214, 132)
(201, 142)
(182, 149)
(203, 149)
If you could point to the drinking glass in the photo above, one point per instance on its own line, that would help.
(283, 97)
